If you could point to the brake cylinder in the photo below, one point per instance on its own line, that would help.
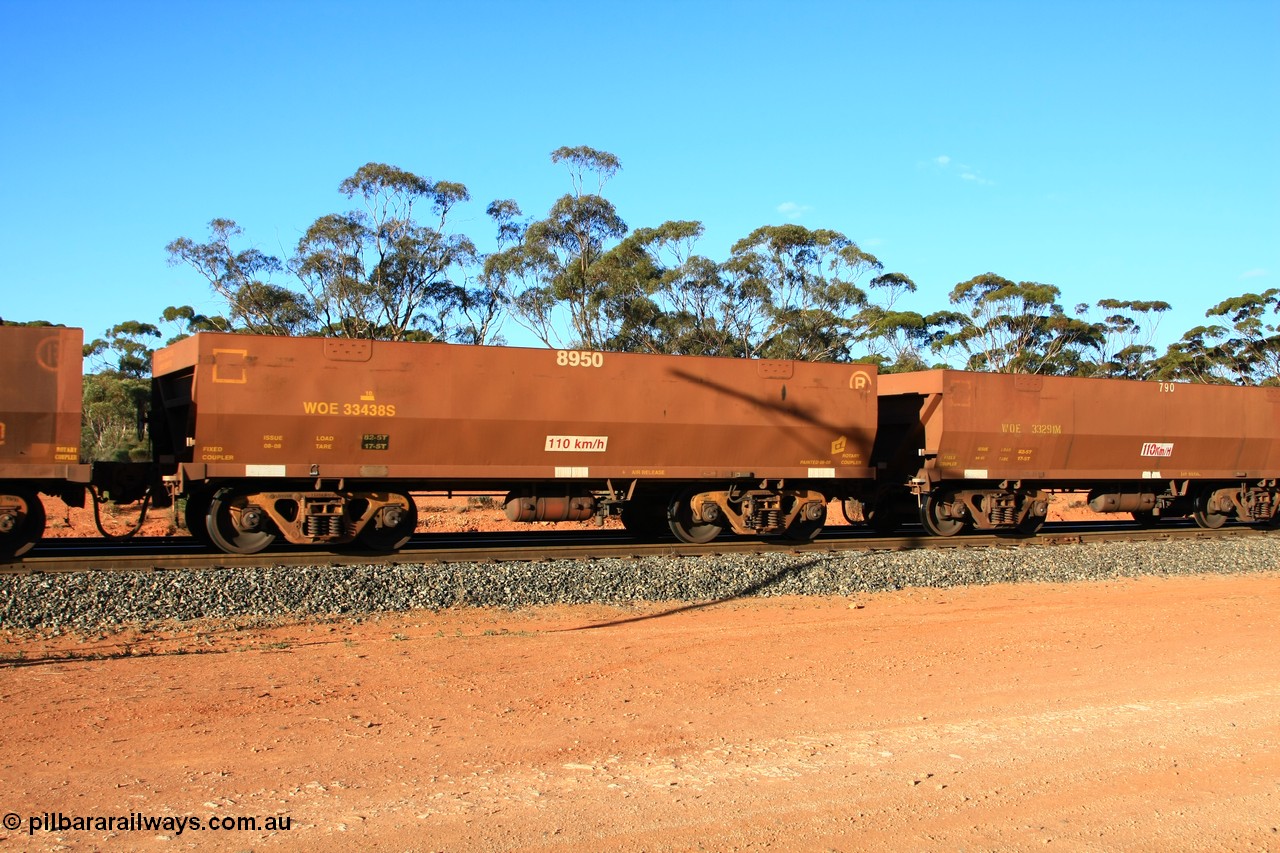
(549, 507)
(1122, 501)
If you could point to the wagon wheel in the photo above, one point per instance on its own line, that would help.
(26, 529)
(1205, 517)
(880, 516)
(680, 520)
(390, 537)
(195, 515)
(235, 525)
(645, 519)
(1031, 524)
(1146, 518)
(806, 529)
(932, 519)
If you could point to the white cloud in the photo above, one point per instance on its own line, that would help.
(960, 170)
(1254, 273)
(792, 211)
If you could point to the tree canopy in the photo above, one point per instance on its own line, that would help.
(396, 266)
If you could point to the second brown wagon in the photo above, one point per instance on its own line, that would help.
(984, 450)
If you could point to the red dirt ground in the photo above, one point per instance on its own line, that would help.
(1126, 715)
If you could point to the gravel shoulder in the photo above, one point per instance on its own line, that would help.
(89, 601)
(1131, 705)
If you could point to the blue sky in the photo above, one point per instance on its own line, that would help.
(1114, 149)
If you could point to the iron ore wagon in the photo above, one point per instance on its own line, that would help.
(40, 408)
(983, 450)
(322, 440)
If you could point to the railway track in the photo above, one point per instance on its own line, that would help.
(172, 553)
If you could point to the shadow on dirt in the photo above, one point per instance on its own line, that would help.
(746, 592)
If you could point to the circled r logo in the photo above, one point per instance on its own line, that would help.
(860, 380)
(48, 354)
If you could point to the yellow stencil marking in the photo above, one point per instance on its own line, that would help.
(232, 373)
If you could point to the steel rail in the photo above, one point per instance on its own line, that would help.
(173, 553)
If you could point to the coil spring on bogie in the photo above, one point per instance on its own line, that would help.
(1004, 514)
(322, 525)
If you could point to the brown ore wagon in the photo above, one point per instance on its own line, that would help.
(984, 449)
(40, 394)
(322, 440)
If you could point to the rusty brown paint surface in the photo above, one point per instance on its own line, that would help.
(1003, 426)
(40, 401)
(287, 406)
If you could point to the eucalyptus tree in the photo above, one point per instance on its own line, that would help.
(666, 298)
(243, 279)
(1198, 356)
(554, 275)
(115, 391)
(895, 339)
(184, 321)
(1253, 341)
(1247, 352)
(377, 272)
(799, 292)
(1016, 327)
(129, 344)
(1127, 329)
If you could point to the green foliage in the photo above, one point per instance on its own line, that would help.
(378, 272)
(583, 159)
(1245, 353)
(185, 322)
(1008, 327)
(35, 323)
(112, 426)
(242, 278)
(896, 340)
(805, 285)
(1127, 329)
(554, 272)
(666, 299)
(128, 343)
(375, 272)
